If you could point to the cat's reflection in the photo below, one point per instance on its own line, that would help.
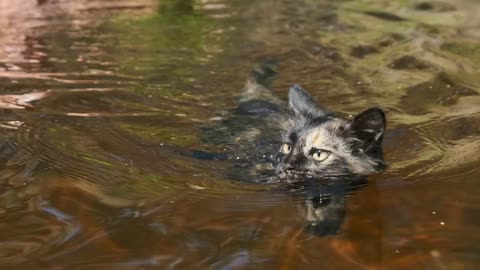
(323, 203)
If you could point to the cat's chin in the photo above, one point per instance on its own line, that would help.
(301, 177)
(294, 177)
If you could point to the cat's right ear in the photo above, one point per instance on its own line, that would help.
(302, 103)
(370, 125)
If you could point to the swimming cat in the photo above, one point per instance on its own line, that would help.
(319, 155)
(319, 144)
(273, 141)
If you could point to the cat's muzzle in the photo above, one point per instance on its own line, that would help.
(287, 173)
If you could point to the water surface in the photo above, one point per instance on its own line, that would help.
(105, 165)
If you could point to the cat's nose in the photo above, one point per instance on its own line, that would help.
(284, 168)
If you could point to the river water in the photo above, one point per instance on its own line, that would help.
(105, 164)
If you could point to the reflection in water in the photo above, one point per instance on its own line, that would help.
(24, 22)
(118, 141)
(325, 204)
(21, 101)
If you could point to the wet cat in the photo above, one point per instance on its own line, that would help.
(319, 155)
(273, 141)
(318, 144)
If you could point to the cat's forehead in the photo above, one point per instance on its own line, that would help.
(328, 135)
(306, 128)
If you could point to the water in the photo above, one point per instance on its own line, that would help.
(104, 104)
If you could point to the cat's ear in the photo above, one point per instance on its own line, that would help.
(369, 125)
(302, 103)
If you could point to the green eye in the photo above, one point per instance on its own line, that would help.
(286, 148)
(321, 155)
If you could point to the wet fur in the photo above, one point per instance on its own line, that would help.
(355, 145)
(253, 134)
(256, 129)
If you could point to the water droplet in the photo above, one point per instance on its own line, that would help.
(196, 186)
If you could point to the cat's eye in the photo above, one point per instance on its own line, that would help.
(286, 148)
(321, 155)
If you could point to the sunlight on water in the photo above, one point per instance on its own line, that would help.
(121, 146)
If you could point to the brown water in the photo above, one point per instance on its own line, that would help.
(103, 103)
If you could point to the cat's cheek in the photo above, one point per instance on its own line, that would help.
(314, 167)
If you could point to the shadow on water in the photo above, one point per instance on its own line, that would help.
(122, 144)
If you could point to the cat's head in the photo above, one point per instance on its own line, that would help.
(319, 144)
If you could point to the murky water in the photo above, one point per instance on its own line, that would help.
(105, 162)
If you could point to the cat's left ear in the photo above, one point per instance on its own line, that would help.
(370, 124)
(302, 103)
